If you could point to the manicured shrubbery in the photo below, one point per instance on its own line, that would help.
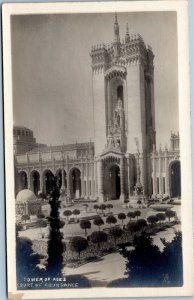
(85, 224)
(78, 244)
(98, 222)
(111, 220)
(98, 237)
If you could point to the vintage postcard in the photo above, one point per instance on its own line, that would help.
(97, 149)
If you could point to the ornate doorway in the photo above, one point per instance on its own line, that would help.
(75, 183)
(23, 180)
(48, 182)
(35, 182)
(112, 182)
(175, 179)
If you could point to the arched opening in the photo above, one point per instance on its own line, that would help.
(113, 187)
(48, 182)
(59, 178)
(23, 180)
(175, 179)
(75, 183)
(120, 92)
(35, 182)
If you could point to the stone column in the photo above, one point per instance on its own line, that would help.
(28, 180)
(129, 176)
(92, 180)
(82, 179)
(40, 167)
(122, 196)
(62, 178)
(142, 172)
(100, 182)
(109, 103)
(166, 174)
(28, 173)
(96, 179)
(41, 181)
(160, 175)
(68, 186)
(43, 184)
(154, 176)
(87, 178)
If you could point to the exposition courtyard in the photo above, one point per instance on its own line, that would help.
(87, 238)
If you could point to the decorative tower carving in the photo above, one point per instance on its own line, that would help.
(116, 43)
(127, 37)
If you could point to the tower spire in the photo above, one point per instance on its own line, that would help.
(116, 29)
(127, 33)
(116, 43)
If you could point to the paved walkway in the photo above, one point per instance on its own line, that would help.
(108, 268)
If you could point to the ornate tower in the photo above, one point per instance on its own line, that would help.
(123, 98)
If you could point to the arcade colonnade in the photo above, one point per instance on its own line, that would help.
(107, 178)
(78, 180)
(166, 174)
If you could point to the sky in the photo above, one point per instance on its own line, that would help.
(52, 75)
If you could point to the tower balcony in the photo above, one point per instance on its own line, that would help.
(116, 71)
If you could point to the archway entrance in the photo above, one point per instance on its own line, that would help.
(113, 187)
(23, 180)
(75, 183)
(58, 178)
(175, 179)
(48, 182)
(35, 182)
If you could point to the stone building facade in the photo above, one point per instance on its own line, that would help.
(123, 158)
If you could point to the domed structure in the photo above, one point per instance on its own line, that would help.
(25, 196)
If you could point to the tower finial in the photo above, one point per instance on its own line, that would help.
(116, 29)
(127, 33)
(127, 28)
(116, 21)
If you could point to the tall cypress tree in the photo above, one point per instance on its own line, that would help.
(56, 247)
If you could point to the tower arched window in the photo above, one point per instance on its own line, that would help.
(120, 92)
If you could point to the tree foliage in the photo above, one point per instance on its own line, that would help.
(122, 217)
(161, 216)
(78, 244)
(67, 213)
(96, 207)
(85, 224)
(116, 232)
(131, 215)
(98, 237)
(137, 213)
(109, 206)
(76, 212)
(56, 246)
(170, 214)
(98, 222)
(102, 207)
(111, 220)
(26, 260)
(86, 206)
(141, 224)
(132, 227)
(153, 219)
(147, 266)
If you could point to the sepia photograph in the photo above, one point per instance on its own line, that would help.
(95, 133)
